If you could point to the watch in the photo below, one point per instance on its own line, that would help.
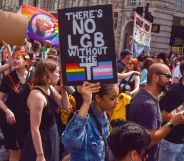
(170, 124)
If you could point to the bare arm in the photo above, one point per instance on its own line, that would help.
(157, 135)
(137, 84)
(165, 116)
(124, 75)
(36, 102)
(10, 117)
(62, 99)
(5, 67)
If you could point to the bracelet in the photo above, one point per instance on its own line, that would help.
(170, 124)
(40, 154)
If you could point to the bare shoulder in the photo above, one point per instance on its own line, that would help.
(36, 97)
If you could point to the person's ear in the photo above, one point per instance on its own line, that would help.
(97, 98)
(132, 155)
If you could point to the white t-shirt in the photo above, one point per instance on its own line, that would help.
(176, 72)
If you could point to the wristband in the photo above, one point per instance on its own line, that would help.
(40, 154)
(170, 124)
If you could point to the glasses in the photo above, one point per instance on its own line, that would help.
(169, 76)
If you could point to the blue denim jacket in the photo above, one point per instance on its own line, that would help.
(82, 138)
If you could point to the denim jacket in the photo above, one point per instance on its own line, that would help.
(82, 138)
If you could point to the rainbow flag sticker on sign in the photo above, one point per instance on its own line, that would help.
(42, 25)
(88, 46)
(74, 72)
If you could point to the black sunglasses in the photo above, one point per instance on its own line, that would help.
(169, 76)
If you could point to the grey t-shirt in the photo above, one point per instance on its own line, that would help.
(145, 110)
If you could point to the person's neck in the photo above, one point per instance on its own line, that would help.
(21, 72)
(153, 90)
(100, 110)
(123, 61)
(44, 88)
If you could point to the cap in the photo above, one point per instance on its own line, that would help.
(125, 52)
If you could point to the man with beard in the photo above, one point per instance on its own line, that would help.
(172, 145)
(144, 108)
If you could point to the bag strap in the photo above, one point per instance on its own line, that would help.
(131, 76)
(99, 127)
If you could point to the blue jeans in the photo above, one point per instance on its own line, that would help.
(180, 156)
(169, 151)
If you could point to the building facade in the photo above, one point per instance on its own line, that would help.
(167, 14)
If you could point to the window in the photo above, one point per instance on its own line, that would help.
(134, 3)
(179, 4)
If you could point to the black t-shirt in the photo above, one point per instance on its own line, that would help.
(120, 66)
(173, 99)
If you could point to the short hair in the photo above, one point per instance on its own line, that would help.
(36, 45)
(126, 137)
(24, 55)
(41, 73)
(155, 68)
(147, 62)
(125, 52)
(162, 56)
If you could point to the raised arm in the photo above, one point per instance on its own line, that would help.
(74, 135)
(5, 67)
(62, 99)
(158, 135)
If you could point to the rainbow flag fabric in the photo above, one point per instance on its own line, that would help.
(75, 73)
(103, 70)
(42, 25)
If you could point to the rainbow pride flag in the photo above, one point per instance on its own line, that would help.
(42, 25)
(103, 70)
(74, 72)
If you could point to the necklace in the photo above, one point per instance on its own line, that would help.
(152, 94)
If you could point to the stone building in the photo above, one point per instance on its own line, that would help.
(167, 14)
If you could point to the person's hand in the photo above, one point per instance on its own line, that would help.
(40, 158)
(5, 44)
(87, 89)
(178, 119)
(129, 93)
(10, 117)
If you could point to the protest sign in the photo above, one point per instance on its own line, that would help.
(13, 28)
(87, 44)
(141, 35)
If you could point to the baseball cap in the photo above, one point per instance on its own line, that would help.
(125, 52)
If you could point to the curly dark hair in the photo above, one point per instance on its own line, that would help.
(126, 137)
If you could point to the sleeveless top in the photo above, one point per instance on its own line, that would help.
(48, 114)
(127, 85)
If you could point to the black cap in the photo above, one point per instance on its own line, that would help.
(125, 52)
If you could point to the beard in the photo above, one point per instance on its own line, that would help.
(163, 86)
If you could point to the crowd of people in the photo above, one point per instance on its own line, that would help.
(41, 120)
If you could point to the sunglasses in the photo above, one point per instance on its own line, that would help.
(129, 63)
(168, 76)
